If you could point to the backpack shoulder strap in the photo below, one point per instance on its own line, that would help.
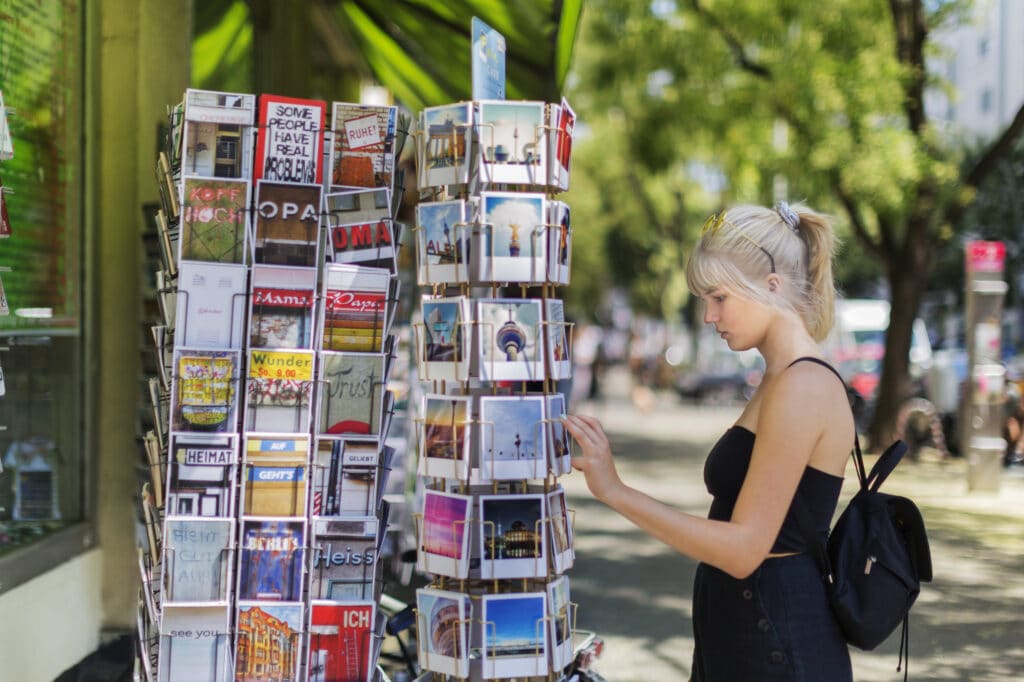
(858, 458)
(819, 361)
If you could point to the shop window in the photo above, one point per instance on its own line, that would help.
(42, 432)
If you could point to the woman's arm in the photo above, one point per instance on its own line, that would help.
(790, 421)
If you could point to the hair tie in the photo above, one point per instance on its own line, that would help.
(788, 215)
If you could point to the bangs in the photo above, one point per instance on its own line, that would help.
(707, 270)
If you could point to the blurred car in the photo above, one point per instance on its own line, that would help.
(719, 375)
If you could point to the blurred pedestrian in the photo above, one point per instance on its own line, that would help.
(1013, 429)
(588, 364)
(760, 608)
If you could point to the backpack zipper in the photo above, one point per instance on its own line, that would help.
(869, 564)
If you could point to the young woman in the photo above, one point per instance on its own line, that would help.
(760, 611)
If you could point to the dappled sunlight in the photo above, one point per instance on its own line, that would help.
(636, 592)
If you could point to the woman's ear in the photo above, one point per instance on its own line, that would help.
(774, 283)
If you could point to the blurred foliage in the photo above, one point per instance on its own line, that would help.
(689, 105)
(418, 49)
(733, 101)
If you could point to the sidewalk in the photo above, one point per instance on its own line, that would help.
(635, 592)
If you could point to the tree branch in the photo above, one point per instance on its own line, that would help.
(856, 218)
(911, 31)
(997, 151)
(734, 44)
(989, 160)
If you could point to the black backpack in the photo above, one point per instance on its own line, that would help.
(876, 556)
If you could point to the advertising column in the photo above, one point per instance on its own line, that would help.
(983, 406)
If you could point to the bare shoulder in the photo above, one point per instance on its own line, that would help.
(808, 377)
(809, 389)
(815, 398)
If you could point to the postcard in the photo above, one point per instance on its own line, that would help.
(168, 243)
(274, 478)
(147, 645)
(442, 625)
(556, 340)
(347, 477)
(562, 553)
(166, 297)
(204, 394)
(211, 106)
(513, 541)
(155, 457)
(360, 228)
(444, 440)
(289, 145)
(341, 641)
(282, 307)
(326, 476)
(513, 142)
(488, 61)
(559, 237)
(512, 437)
(360, 484)
(149, 588)
(352, 393)
(268, 642)
(442, 242)
(287, 224)
(5, 231)
(510, 339)
(560, 623)
(6, 144)
(215, 132)
(445, 144)
(444, 534)
(563, 121)
(514, 240)
(444, 339)
(559, 454)
(197, 559)
(214, 220)
(356, 311)
(344, 562)
(195, 643)
(272, 559)
(279, 390)
(216, 150)
(201, 475)
(150, 517)
(211, 305)
(514, 634)
(363, 153)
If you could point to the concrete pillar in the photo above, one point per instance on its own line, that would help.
(140, 64)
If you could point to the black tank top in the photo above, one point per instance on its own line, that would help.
(726, 468)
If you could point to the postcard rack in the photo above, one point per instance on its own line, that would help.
(263, 511)
(492, 344)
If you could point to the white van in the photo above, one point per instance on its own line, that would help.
(857, 343)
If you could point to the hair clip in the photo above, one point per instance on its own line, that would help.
(788, 215)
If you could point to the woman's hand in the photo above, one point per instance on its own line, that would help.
(595, 458)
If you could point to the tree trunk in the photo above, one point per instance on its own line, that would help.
(907, 281)
(282, 48)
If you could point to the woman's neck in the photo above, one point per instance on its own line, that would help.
(785, 341)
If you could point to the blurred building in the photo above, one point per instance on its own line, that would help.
(981, 59)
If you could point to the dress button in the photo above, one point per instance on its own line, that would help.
(748, 594)
(763, 625)
(776, 657)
